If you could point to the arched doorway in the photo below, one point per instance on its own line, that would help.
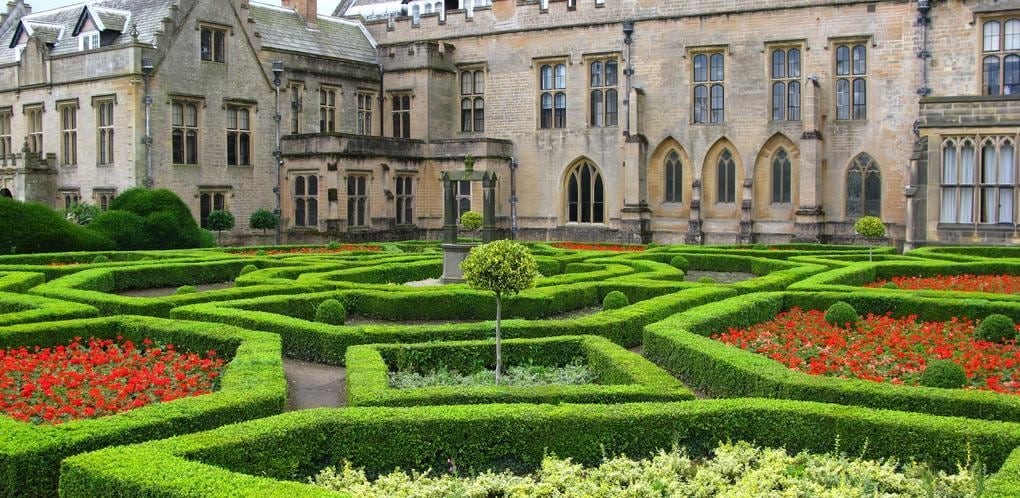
(586, 194)
(6, 193)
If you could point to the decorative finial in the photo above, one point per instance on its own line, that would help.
(469, 163)
(134, 31)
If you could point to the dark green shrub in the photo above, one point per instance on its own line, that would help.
(706, 280)
(168, 221)
(841, 314)
(144, 202)
(248, 269)
(31, 228)
(263, 219)
(680, 263)
(996, 328)
(615, 300)
(126, 229)
(890, 285)
(944, 374)
(100, 259)
(219, 221)
(81, 213)
(334, 246)
(261, 252)
(331, 312)
(186, 289)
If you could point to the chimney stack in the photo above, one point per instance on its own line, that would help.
(307, 9)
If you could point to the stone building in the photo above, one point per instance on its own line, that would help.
(701, 122)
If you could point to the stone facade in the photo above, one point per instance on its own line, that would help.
(372, 113)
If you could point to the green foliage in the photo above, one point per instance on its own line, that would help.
(247, 269)
(221, 220)
(186, 289)
(735, 469)
(34, 228)
(263, 219)
(515, 376)
(102, 258)
(471, 220)
(331, 312)
(944, 374)
(870, 227)
(890, 285)
(81, 213)
(503, 267)
(168, 223)
(615, 300)
(706, 280)
(680, 263)
(333, 245)
(841, 314)
(996, 328)
(126, 229)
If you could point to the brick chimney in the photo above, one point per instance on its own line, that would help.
(307, 9)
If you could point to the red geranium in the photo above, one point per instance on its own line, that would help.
(104, 377)
(998, 284)
(598, 247)
(880, 348)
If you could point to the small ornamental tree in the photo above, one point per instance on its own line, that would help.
(219, 221)
(471, 220)
(263, 219)
(871, 228)
(504, 267)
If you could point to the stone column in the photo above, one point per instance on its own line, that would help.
(449, 212)
(489, 208)
(746, 235)
(694, 233)
(809, 215)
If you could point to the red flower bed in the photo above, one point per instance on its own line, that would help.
(100, 378)
(881, 348)
(311, 250)
(998, 284)
(598, 247)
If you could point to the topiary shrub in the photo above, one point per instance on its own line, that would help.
(247, 269)
(334, 246)
(186, 289)
(996, 328)
(890, 285)
(261, 252)
(501, 267)
(841, 314)
(680, 263)
(331, 312)
(706, 280)
(263, 219)
(219, 221)
(100, 259)
(168, 221)
(615, 300)
(871, 228)
(126, 229)
(32, 227)
(471, 220)
(944, 374)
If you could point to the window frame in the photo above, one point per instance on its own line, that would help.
(726, 193)
(296, 94)
(242, 147)
(70, 196)
(708, 84)
(608, 113)
(89, 40)
(1002, 52)
(854, 76)
(217, 48)
(328, 98)
(306, 197)
(6, 134)
(190, 134)
(790, 108)
(404, 200)
(365, 109)
(552, 94)
(218, 201)
(578, 203)
(781, 193)
(400, 114)
(472, 100)
(105, 131)
(673, 178)
(68, 113)
(101, 197)
(358, 201)
(865, 169)
(34, 128)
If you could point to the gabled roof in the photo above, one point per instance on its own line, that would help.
(284, 29)
(117, 16)
(105, 19)
(47, 33)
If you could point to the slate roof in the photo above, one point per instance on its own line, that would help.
(146, 14)
(284, 29)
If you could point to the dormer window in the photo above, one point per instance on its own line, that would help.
(88, 41)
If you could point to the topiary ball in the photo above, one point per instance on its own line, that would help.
(996, 328)
(248, 269)
(331, 312)
(944, 374)
(706, 280)
(186, 289)
(615, 300)
(333, 246)
(680, 263)
(101, 259)
(890, 285)
(841, 314)
(261, 252)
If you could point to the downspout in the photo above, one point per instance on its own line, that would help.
(628, 30)
(923, 8)
(147, 68)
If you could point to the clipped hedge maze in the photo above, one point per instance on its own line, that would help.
(642, 400)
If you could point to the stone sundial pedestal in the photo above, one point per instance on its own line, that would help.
(454, 252)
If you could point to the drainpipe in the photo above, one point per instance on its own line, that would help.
(628, 30)
(513, 198)
(147, 67)
(277, 151)
(923, 8)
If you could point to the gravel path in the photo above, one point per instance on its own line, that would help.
(313, 385)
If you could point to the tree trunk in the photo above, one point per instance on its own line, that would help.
(499, 350)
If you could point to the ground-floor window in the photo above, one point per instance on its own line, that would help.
(585, 195)
(306, 201)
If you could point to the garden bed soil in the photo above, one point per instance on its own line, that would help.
(169, 291)
(314, 385)
(720, 277)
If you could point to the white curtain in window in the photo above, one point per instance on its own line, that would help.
(967, 165)
(1006, 205)
(967, 205)
(948, 205)
(949, 165)
(989, 165)
(1006, 164)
